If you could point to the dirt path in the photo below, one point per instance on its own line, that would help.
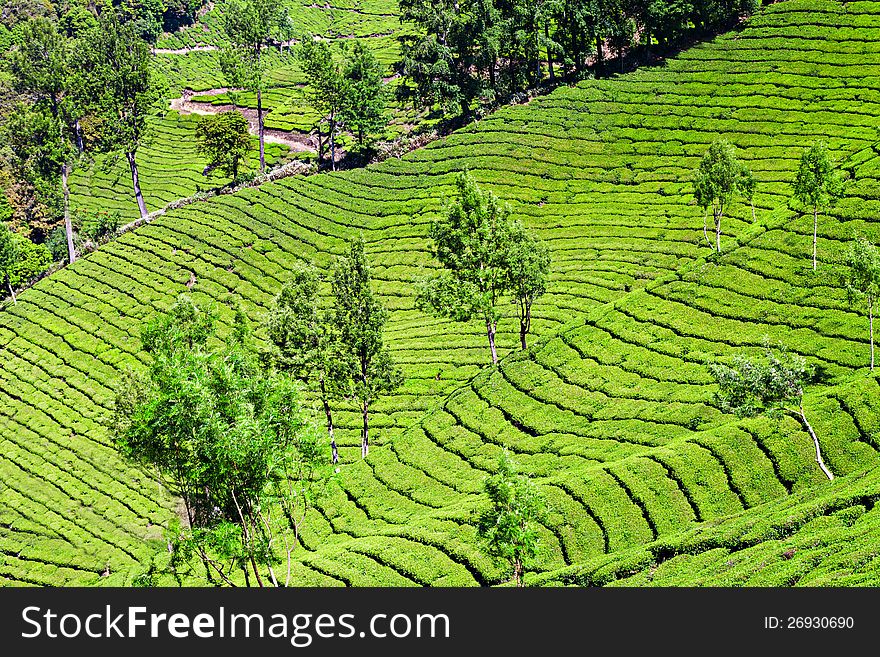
(183, 51)
(296, 141)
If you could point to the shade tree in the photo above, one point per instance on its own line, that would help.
(862, 279)
(365, 369)
(228, 437)
(817, 184)
(305, 344)
(719, 180)
(773, 385)
(509, 527)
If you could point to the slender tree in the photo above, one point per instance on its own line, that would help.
(8, 256)
(363, 109)
(248, 26)
(718, 181)
(528, 265)
(305, 344)
(863, 279)
(509, 527)
(817, 184)
(328, 90)
(471, 241)
(45, 131)
(114, 65)
(748, 387)
(365, 367)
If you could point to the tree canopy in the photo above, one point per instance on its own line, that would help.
(508, 527)
(229, 437)
(366, 369)
(719, 180)
(863, 279)
(749, 386)
(224, 141)
(817, 184)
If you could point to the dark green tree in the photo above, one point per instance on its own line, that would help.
(863, 279)
(365, 367)
(248, 26)
(442, 56)
(227, 436)
(225, 141)
(328, 90)
(775, 385)
(115, 70)
(527, 266)
(305, 344)
(509, 527)
(817, 184)
(363, 109)
(471, 241)
(719, 180)
(44, 130)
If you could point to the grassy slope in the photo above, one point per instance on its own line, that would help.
(612, 411)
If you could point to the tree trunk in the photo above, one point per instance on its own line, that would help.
(79, 139)
(600, 57)
(334, 454)
(333, 141)
(518, 572)
(260, 129)
(490, 331)
(68, 225)
(815, 442)
(871, 328)
(718, 232)
(135, 180)
(706, 227)
(815, 232)
(549, 54)
(11, 291)
(525, 321)
(365, 431)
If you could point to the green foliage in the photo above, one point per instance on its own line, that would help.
(528, 267)
(719, 180)
(41, 129)
(508, 528)
(30, 260)
(817, 184)
(8, 253)
(471, 242)
(118, 84)
(365, 367)
(863, 279)
(99, 226)
(748, 386)
(442, 56)
(230, 437)
(224, 141)
(364, 106)
(247, 24)
(304, 341)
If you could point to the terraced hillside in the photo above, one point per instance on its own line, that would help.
(612, 409)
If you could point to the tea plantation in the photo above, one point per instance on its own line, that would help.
(611, 411)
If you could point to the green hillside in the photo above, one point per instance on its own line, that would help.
(611, 411)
